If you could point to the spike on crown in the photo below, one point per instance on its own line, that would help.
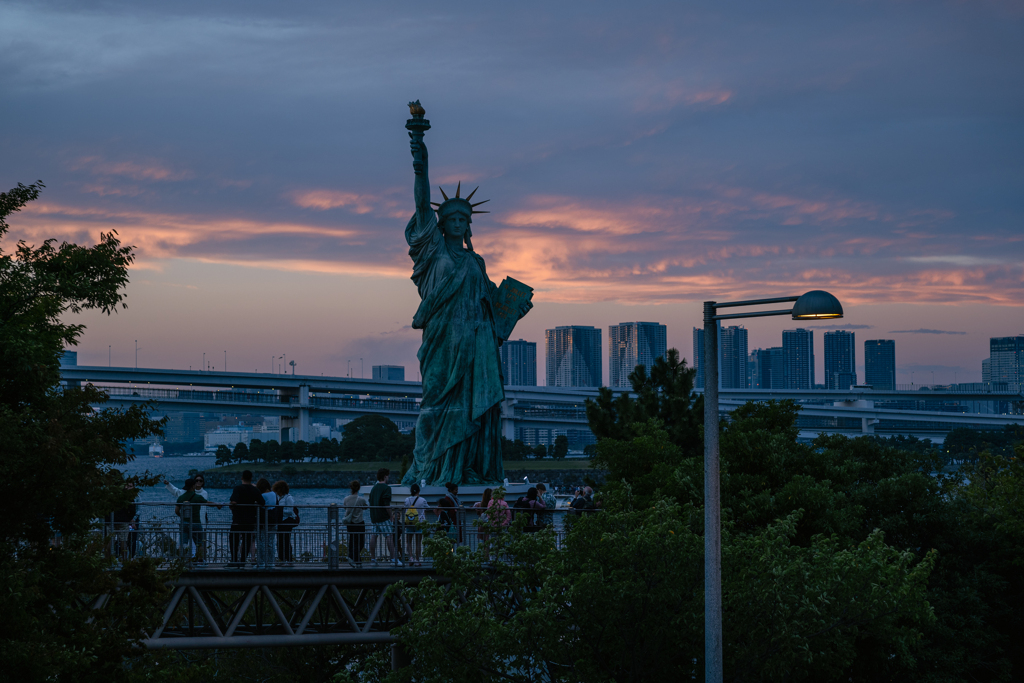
(457, 203)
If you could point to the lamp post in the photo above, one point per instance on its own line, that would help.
(815, 305)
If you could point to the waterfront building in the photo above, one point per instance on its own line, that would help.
(69, 359)
(573, 356)
(183, 428)
(633, 344)
(519, 363)
(798, 358)
(880, 363)
(391, 372)
(986, 370)
(840, 360)
(1006, 359)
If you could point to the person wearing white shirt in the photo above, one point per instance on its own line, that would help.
(289, 520)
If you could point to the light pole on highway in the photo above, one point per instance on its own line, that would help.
(815, 305)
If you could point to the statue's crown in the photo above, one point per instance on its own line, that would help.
(457, 203)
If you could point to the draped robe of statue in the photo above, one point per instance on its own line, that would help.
(458, 433)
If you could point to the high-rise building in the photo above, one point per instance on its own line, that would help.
(986, 370)
(1006, 359)
(573, 356)
(633, 344)
(698, 356)
(733, 370)
(798, 358)
(519, 363)
(183, 428)
(840, 360)
(880, 363)
(392, 372)
(767, 370)
(69, 358)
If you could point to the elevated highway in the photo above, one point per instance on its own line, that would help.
(298, 399)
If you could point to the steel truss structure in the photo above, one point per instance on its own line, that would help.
(240, 609)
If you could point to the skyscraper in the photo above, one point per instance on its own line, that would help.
(633, 344)
(734, 357)
(768, 371)
(798, 358)
(519, 363)
(880, 363)
(1006, 359)
(698, 357)
(840, 360)
(392, 372)
(986, 370)
(573, 356)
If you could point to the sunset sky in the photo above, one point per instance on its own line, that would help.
(639, 158)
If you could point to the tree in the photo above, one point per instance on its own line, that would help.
(257, 450)
(223, 454)
(301, 451)
(561, 446)
(666, 394)
(272, 452)
(541, 451)
(514, 450)
(286, 452)
(64, 457)
(622, 600)
(396, 447)
(365, 436)
(240, 454)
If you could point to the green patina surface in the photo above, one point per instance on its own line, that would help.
(458, 432)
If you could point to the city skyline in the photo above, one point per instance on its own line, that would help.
(259, 165)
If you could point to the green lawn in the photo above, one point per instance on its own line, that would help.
(516, 465)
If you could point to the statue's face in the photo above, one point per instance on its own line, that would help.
(456, 224)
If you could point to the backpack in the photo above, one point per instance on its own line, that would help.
(412, 514)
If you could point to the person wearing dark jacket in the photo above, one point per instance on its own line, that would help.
(449, 512)
(121, 526)
(245, 501)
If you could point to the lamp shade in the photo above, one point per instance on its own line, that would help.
(817, 305)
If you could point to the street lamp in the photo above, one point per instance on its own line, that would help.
(814, 305)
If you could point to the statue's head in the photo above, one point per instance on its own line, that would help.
(455, 215)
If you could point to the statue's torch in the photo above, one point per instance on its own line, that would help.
(417, 125)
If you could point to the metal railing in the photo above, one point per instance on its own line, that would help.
(322, 537)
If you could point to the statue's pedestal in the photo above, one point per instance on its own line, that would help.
(467, 494)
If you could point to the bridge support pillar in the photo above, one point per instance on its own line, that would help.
(867, 424)
(508, 419)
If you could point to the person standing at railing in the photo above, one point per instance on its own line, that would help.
(289, 520)
(189, 508)
(380, 517)
(121, 522)
(354, 523)
(415, 514)
(449, 513)
(481, 508)
(271, 517)
(245, 501)
(546, 518)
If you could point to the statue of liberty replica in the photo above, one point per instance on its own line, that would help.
(464, 319)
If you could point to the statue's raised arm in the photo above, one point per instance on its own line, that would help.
(417, 126)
